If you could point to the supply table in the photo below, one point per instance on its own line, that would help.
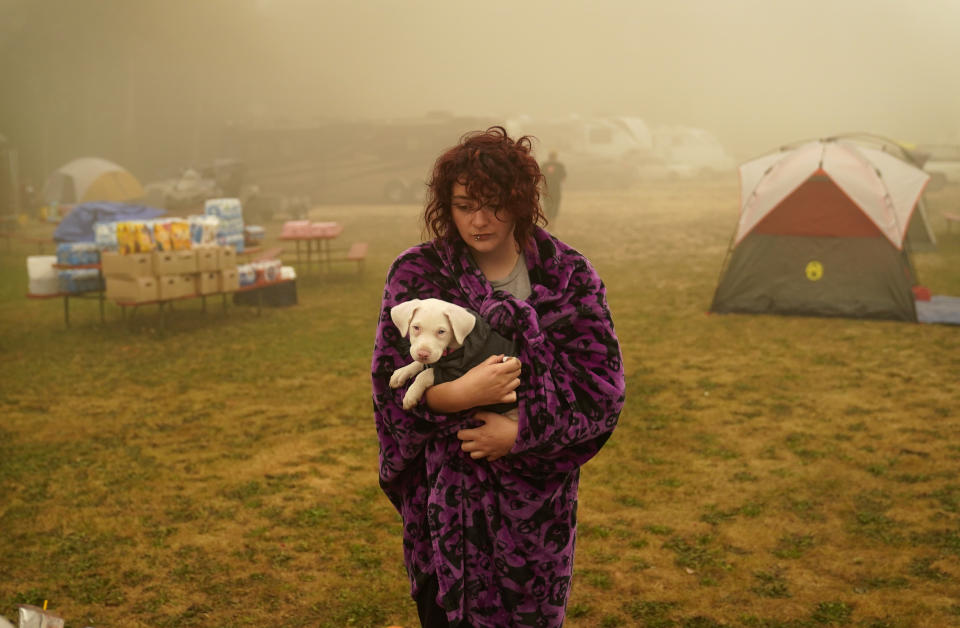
(165, 304)
(89, 294)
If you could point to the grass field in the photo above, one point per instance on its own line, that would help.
(767, 471)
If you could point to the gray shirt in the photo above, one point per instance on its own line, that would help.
(517, 282)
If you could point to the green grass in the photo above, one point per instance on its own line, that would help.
(767, 471)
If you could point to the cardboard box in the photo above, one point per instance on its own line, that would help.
(169, 286)
(208, 259)
(189, 287)
(176, 286)
(208, 282)
(174, 262)
(132, 289)
(227, 258)
(229, 281)
(130, 266)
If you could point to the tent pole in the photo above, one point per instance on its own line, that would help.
(723, 270)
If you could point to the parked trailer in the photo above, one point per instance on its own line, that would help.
(348, 160)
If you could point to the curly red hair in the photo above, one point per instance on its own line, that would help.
(497, 171)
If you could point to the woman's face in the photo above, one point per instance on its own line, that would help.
(483, 232)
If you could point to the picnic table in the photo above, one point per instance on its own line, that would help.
(314, 235)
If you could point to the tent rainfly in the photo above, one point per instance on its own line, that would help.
(821, 233)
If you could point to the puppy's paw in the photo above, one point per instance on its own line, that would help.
(398, 379)
(410, 399)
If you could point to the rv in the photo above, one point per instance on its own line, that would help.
(619, 151)
(599, 151)
(689, 152)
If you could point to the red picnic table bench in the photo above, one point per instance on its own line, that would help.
(951, 218)
(356, 253)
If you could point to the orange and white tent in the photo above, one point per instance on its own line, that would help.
(821, 231)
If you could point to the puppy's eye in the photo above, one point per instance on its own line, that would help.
(441, 332)
(416, 328)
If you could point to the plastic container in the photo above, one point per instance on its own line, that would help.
(223, 208)
(253, 235)
(42, 275)
(79, 280)
(203, 230)
(77, 253)
(41, 266)
(246, 274)
(105, 235)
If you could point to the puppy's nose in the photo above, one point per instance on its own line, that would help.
(423, 355)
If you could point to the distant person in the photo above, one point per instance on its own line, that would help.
(489, 504)
(553, 176)
(29, 200)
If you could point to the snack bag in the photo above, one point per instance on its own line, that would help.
(143, 237)
(124, 238)
(161, 234)
(180, 234)
(196, 229)
(210, 230)
(271, 270)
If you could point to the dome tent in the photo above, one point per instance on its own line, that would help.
(821, 232)
(91, 179)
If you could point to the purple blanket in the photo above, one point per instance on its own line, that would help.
(499, 536)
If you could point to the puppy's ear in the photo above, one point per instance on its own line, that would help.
(402, 314)
(461, 321)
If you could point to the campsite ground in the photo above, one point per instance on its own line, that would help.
(767, 471)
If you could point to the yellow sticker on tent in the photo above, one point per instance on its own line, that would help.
(814, 270)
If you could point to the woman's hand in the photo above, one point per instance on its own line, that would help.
(494, 439)
(490, 382)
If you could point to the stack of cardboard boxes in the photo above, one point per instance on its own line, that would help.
(165, 275)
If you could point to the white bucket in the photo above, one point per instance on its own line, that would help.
(41, 266)
(42, 274)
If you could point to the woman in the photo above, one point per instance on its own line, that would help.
(489, 504)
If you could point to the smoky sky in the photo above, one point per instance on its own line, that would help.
(757, 73)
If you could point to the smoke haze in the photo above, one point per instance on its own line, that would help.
(130, 78)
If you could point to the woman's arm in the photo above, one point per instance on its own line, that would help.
(490, 382)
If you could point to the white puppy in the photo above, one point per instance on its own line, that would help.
(436, 329)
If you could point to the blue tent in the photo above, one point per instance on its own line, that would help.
(77, 226)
